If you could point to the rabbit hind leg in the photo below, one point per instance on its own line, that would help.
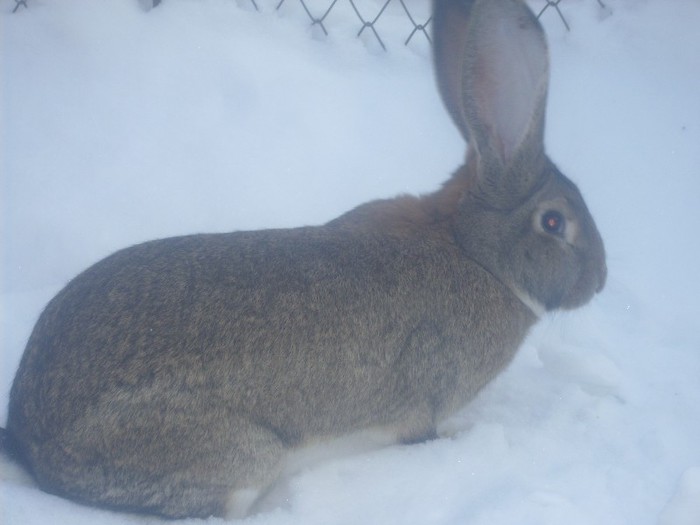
(187, 471)
(227, 481)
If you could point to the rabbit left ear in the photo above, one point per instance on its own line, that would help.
(450, 28)
(492, 66)
(505, 79)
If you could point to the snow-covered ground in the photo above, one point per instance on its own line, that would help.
(119, 125)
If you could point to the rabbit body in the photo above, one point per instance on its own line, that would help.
(208, 356)
(177, 372)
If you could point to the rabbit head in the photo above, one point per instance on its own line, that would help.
(517, 215)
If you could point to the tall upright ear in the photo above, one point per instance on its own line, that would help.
(492, 66)
(450, 29)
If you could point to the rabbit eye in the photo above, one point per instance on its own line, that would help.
(553, 222)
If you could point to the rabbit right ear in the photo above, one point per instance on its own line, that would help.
(492, 67)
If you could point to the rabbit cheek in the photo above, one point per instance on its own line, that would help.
(587, 284)
(575, 284)
(543, 269)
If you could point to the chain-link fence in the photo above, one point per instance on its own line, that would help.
(369, 13)
(18, 4)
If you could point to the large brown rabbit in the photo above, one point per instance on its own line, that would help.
(177, 375)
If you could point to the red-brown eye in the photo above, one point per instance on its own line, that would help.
(553, 222)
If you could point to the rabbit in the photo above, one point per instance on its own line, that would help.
(176, 377)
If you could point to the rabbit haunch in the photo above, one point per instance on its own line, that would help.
(184, 376)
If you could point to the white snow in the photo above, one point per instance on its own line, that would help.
(119, 125)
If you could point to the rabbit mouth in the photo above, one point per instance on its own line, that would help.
(567, 301)
(584, 290)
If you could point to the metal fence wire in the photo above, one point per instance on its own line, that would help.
(369, 12)
(367, 22)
